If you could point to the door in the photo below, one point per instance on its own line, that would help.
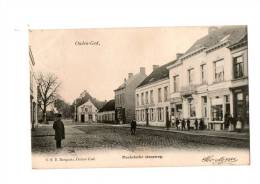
(82, 118)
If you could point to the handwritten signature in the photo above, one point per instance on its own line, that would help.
(219, 160)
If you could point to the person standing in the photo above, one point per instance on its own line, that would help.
(201, 126)
(188, 124)
(183, 124)
(133, 127)
(177, 123)
(58, 126)
(196, 124)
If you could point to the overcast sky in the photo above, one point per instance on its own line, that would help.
(101, 68)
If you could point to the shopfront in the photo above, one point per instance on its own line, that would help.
(219, 108)
(241, 105)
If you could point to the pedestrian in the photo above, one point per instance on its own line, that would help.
(232, 123)
(133, 127)
(58, 126)
(183, 124)
(177, 123)
(168, 123)
(201, 125)
(188, 124)
(239, 124)
(196, 124)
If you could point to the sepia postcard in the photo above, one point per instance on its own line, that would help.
(139, 97)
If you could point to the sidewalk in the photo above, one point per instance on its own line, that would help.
(210, 133)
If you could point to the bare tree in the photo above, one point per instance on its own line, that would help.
(48, 86)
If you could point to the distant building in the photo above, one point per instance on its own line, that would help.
(210, 80)
(33, 92)
(82, 116)
(125, 97)
(107, 113)
(87, 112)
(152, 98)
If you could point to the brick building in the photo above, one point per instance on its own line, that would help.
(125, 97)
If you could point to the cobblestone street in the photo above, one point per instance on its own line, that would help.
(107, 137)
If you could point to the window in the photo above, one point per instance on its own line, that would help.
(151, 115)
(142, 98)
(192, 112)
(176, 83)
(204, 106)
(159, 95)
(137, 99)
(146, 97)
(217, 112)
(160, 114)
(238, 67)
(191, 76)
(165, 93)
(219, 71)
(151, 97)
(203, 73)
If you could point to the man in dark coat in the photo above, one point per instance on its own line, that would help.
(201, 126)
(133, 127)
(188, 124)
(183, 124)
(177, 123)
(58, 126)
(196, 124)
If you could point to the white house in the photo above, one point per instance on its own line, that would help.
(152, 98)
(107, 113)
(87, 112)
(206, 77)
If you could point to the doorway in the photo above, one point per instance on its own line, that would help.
(82, 118)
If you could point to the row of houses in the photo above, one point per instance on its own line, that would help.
(119, 110)
(209, 81)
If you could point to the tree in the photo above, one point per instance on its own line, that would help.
(63, 107)
(48, 86)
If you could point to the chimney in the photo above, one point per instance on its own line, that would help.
(142, 70)
(130, 75)
(178, 55)
(212, 29)
(155, 67)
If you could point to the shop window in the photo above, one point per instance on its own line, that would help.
(217, 113)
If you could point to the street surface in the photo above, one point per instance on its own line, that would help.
(107, 137)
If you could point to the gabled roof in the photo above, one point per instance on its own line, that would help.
(109, 106)
(128, 81)
(158, 74)
(232, 34)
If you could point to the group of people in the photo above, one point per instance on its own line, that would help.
(233, 124)
(185, 124)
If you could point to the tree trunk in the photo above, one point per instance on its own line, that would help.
(44, 118)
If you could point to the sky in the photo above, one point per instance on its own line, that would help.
(108, 55)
